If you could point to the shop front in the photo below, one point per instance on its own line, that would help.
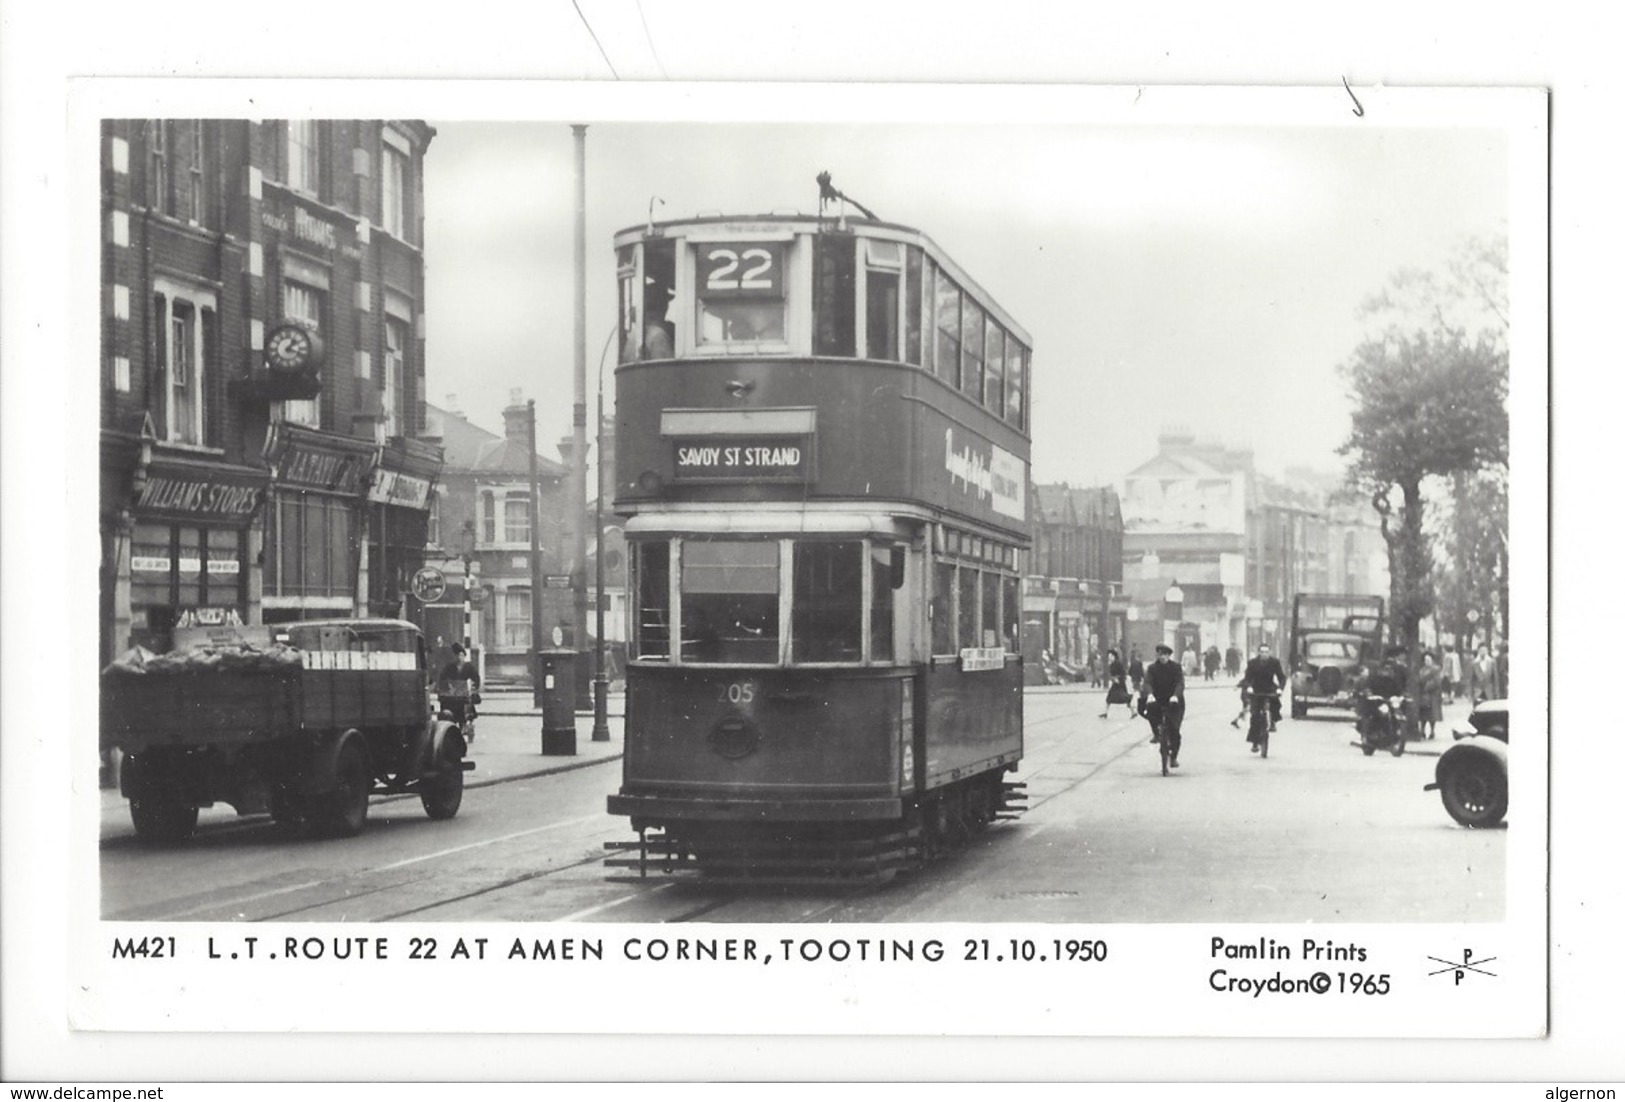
(315, 524)
(398, 501)
(193, 543)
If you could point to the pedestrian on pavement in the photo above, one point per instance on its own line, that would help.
(1429, 695)
(1136, 669)
(1450, 677)
(1484, 675)
(1232, 660)
(1188, 663)
(1264, 675)
(1501, 670)
(1163, 695)
(1210, 663)
(1116, 685)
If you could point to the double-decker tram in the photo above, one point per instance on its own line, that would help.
(822, 441)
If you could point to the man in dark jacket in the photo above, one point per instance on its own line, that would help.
(1163, 693)
(1265, 675)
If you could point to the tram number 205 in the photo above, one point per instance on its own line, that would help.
(736, 692)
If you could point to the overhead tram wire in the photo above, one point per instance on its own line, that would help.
(594, 34)
(650, 39)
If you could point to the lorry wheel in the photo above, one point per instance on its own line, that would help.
(1475, 793)
(161, 814)
(443, 795)
(344, 810)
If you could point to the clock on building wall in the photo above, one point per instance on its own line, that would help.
(292, 347)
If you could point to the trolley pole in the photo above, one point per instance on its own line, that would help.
(578, 495)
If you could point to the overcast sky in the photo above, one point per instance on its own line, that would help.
(1202, 277)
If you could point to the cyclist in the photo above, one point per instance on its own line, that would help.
(1264, 675)
(1163, 693)
(459, 687)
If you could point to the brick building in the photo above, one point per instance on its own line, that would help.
(1073, 601)
(262, 372)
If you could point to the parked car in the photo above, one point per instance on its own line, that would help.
(1471, 776)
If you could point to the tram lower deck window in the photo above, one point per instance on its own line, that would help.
(827, 622)
(730, 601)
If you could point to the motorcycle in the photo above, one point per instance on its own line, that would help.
(1381, 723)
(1471, 776)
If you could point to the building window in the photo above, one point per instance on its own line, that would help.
(394, 379)
(516, 618)
(303, 303)
(488, 517)
(995, 369)
(158, 197)
(194, 175)
(394, 185)
(304, 157)
(184, 319)
(516, 518)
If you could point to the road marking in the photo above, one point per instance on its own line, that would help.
(579, 915)
(489, 841)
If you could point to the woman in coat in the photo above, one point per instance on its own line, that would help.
(1117, 685)
(1429, 694)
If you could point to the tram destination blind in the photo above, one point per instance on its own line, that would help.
(730, 458)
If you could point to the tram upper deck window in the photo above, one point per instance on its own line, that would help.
(995, 368)
(912, 316)
(1016, 358)
(648, 331)
(730, 601)
(882, 287)
(741, 294)
(972, 350)
(835, 281)
(947, 315)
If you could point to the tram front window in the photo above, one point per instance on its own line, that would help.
(730, 609)
(827, 624)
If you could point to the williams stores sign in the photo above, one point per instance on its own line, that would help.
(740, 458)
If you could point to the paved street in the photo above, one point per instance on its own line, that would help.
(1318, 832)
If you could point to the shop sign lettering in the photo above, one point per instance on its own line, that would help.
(307, 227)
(179, 495)
(324, 469)
(395, 488)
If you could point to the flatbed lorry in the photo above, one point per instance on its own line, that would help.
(306, 721)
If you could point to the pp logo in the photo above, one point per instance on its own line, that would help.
(1458, 970)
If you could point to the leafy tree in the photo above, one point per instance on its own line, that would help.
(1429, 390)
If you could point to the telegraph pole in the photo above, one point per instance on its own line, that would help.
(578, 481)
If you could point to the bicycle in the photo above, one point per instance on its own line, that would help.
(1163, 739)
(1258, 727)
